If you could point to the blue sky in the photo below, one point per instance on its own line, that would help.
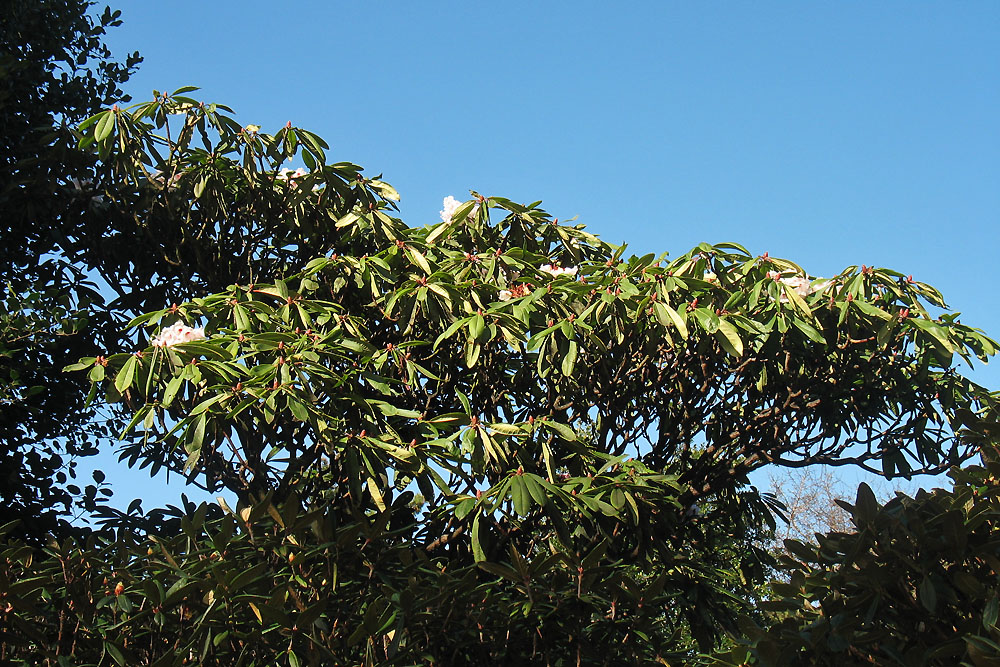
(828, 133)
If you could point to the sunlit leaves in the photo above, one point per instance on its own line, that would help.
(571, 421)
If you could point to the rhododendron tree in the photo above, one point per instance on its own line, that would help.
(496, 438)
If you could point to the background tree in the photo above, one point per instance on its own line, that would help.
(346, 361)
(809, 496)
(56, 71)
(915, 582)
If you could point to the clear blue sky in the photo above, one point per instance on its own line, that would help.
(828, 133)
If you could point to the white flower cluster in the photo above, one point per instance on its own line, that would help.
(801, 284)
(450, 205)
(176, 334)
(556, 271)
(515, 292)
(287, 174)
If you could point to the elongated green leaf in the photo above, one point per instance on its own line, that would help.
(440, 230)
(869, 309)
(729, 338)
(990, 613)
(472, 351)
(418, 258)
(477, 546)
(519, 495)
(936, 331)
(126, 375)
(476, 326)
(809, 330)
(507, 429)
(569, 361)
(500, 570)
(450, 331)
(104, 126)
(667, 315)
(79, 366)
(797, 302)
(561, 429)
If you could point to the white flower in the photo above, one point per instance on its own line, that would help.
(450, 205)
(506, 295)
(802, 285)
(798, 283)
(822, 285)
(176, 334)
(290, 175)
(556, 271)
(287, 174)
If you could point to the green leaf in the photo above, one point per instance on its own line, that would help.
(104, 126)
(507, 429)
(569, 361)
(472, 351)
(500, 571)
(869, 309)
(809, 330)
(519, 495)
(562, 430)
(126, 375)
(206, 404)
(865, 505)
(617, 499)
(197, 435)
(476, 327)
(240, 318)
(477, 547)
(707, 319)
(199, 187)
(536, 487)
(400, 453)
(440, 231)
(936, 331)
(348, 219)
(450, 331)
(729, 338)
(115, 652)
(298, 409)
(384, 189)
(797, 302)
(665, 314)
(80, 365)
(990, 613)
(418, 258)
(171, 391)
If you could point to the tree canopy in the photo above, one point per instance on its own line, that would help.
(498, 416)
(496, 439)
